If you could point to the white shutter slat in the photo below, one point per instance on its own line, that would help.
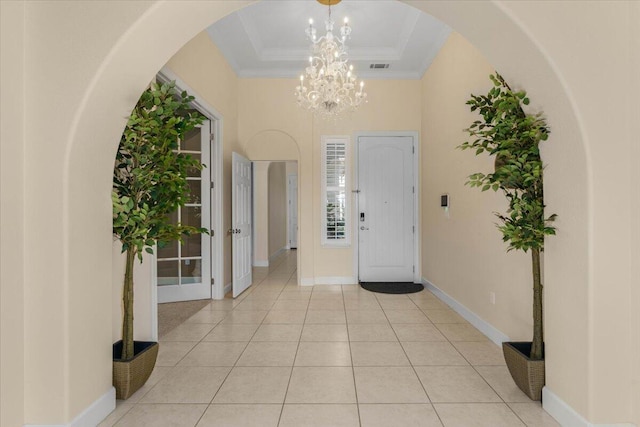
(334, 181)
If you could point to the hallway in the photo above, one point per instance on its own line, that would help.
(283, 355)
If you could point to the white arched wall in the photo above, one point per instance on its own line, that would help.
(85, 65)
(277, 146)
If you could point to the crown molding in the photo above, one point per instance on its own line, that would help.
(280, 73)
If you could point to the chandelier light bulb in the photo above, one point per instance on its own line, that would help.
(346, 20)
(310, 21)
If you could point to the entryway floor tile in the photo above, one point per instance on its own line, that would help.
(327, 356)
(241, 415)
(405, 415)
(319, 416)
(477, 415)
(254, 385)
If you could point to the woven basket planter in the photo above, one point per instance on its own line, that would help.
(528, 374)
(130, 375)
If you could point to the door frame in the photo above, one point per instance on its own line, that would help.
(417, 274)
(186, 291)
(217, 238)
(290, 207)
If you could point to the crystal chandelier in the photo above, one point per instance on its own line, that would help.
(330, 87)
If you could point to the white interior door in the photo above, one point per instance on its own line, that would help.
(241, 223)
(184, 271)
(293, 211)
(386, 228)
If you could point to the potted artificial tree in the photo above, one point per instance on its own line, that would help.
(149, 183)
(513, 136)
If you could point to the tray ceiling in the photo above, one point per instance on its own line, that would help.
(267, 38)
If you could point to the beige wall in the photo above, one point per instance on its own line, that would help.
(265, 105)
(599, 290)
(270, 129)
(12, 214)
(393, 105)
(201, 65)
(467, 236)
(277, 208)
(86, 63)
(88, 49)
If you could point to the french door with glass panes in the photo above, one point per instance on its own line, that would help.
(184, 270)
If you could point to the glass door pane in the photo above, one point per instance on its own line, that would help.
(180, 264)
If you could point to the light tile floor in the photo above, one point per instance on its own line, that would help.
(283, 355)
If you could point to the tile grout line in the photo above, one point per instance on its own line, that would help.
(413, 367)
(452, 343)
(243, 351)
(286, 392)
(353, 369)
(196, 343)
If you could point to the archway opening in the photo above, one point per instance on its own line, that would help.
(110, 91)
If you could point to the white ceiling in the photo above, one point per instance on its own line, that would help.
(267, 38)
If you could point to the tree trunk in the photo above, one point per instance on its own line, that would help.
(127, 300)
(538, 338)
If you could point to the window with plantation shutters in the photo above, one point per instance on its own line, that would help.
(335, 203)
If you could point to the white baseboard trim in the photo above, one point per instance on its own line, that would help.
(261, 263)
(227, 288)
(335, 280)
(328, 280)
(277, 253)
(91, 416)
(566, 415)
(483, 326)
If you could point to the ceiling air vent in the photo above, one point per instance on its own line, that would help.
(378, 66)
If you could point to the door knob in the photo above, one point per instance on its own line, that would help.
(364, 228)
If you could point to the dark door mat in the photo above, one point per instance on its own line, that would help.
(392, 287)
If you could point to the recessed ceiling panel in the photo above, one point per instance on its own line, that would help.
(267, 38)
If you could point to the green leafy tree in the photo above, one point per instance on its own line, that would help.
(149, 183)
(513, 137)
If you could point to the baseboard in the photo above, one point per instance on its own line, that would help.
(328, 280)
(566, 415)
(483, 326)
(93, 415)
(277, 253)
(227, 288)
(335, 280)
(261, 263)
(552, 404)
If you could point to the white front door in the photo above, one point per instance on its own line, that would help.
(385, 219)
(241, 223)
(184, 271)
(293, 211)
